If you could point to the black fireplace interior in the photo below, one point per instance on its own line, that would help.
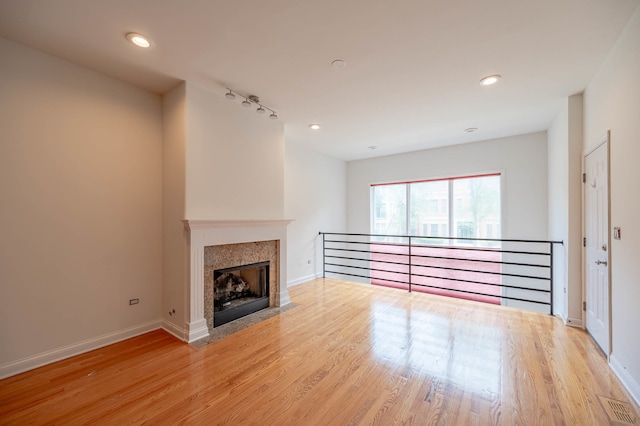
(239, 291)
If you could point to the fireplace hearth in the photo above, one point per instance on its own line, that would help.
(239, 291)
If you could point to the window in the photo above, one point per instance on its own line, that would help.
(433, 206)
(422, 208)
(489, 230)
(390, 210)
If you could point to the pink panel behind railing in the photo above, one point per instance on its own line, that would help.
(398, 253)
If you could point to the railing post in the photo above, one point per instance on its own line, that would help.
(410, 261)
(551, 278)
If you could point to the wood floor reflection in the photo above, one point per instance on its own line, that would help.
(348, 354)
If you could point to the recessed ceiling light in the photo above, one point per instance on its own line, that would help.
(338, 63)
(490, 79)
(314, 126)
(471, 129)
(139, 40)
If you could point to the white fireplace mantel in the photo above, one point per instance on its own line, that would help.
(203, 233)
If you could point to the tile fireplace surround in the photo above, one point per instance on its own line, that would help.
(206, 233)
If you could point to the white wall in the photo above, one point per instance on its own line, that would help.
(573, 241)
(558, 163)
(565, 220)
(612, 102)
(175, 264)
(522, 160)
(235, 160)
(80, 209)
(315, 197)
(221, 162)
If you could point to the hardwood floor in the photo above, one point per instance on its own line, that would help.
(348, 354)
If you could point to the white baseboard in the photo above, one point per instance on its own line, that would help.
(197, 330)
(303, 279)
(627, 381)
(282, 298)
(174, 330)
(574, 322)
(44, 358)
(562, 316)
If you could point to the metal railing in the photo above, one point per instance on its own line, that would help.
(500, 271)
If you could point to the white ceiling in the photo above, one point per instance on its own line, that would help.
(413, 66)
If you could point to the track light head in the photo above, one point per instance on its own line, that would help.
(250, 100)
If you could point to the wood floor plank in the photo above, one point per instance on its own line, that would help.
(348, 354)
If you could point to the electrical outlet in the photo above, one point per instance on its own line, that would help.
(134, 301)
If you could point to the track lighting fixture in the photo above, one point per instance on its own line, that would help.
(251, 100)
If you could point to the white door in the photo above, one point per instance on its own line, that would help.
(596, 202)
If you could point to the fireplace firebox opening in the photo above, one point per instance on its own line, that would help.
(239, 291)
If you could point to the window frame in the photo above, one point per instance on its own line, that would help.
(450, 205)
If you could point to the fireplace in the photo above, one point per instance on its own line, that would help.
(236, 273)
(239, 291)
(223, 244)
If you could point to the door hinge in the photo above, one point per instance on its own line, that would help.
(584, 178)
(584, 306)
(584, 242)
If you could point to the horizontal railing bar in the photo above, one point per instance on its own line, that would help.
(415, 265)
(489, 295)
(366, 269)
(387, 262)
(365, 276)
(504, 274)
(441, 278)
(444, 288)
(441, 238)
(533, 265)
(368, 251)
(439, 247)
(539, 290)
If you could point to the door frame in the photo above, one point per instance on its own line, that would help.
(602, 140)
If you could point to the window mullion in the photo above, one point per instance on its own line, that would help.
(450, 233)
(407, 208)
